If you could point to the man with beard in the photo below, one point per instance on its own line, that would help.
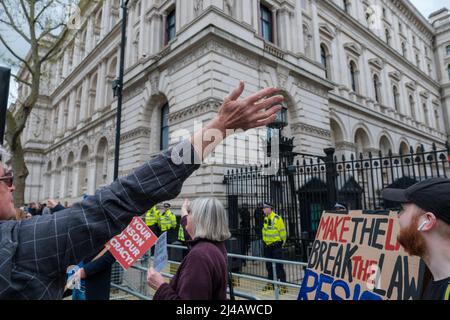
(425, 229)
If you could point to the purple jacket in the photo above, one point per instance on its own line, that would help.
(202, 274)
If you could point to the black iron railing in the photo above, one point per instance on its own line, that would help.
(305, 186)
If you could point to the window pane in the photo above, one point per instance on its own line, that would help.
(164, 140)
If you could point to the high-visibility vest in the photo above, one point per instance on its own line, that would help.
(273, 229)
(151, 216)
(181, 233)
(167, 221)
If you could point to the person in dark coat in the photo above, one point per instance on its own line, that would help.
(202, 274)
(54, 206)
(97, 276)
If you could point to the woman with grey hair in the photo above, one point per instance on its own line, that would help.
(202, 274)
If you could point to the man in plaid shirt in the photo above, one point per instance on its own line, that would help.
(34, 254)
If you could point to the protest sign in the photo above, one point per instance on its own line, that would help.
(161, 256)
(356, 256)
(132, 243)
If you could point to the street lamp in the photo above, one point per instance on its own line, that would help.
(281, 120)
(118, 87)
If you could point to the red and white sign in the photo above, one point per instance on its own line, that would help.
(132, 243)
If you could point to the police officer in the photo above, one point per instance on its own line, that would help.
(168, 222)
(151, 220)
(274, 237)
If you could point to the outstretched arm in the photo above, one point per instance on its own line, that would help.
(48, 244)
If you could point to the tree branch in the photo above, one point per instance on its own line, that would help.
(49, 30)
(24, 10)
(55, 46)
(44, 9)
(15, 55)
(12, 24)
(20, 80)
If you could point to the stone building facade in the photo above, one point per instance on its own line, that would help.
(358, 75)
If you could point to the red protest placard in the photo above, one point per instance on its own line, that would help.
(132, 243)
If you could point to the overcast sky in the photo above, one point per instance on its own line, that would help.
(20, 46)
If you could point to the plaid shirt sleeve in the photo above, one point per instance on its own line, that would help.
(49, 244)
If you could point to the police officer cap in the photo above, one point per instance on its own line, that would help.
(166, 205)
(267, 205)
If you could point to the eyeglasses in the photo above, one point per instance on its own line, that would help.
(8, 179)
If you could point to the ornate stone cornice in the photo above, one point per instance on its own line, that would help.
(311, 87)
(195, 110)
(344, 145)
(213, 46)
(311, 130)
(135, 133)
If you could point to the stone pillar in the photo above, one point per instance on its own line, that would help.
(130, 38)
(386, 88)
(76, 183)
(60, 118)
(298, 36)
(431, 114)
(84, 107)
(163, 30)
(143, 36)
(66, 63)
(365, 77)
(247, 11)
(276, 27)
(62, 187)
(106, 12)
(256, 15)
(71, 120)
(404, 103)
(340, 66)
(52, 184)
(90, 35)
(100, 90)
(91, 168)
(315, 31)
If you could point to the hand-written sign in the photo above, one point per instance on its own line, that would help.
(161, 257)
(356, 256)
(132, 243)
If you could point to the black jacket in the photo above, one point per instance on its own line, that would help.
(98, 277)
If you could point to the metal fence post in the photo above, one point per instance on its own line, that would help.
(274, 278)
(331, 175)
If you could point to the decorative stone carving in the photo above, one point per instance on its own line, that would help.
(135, 133)
(311, 87)
(195, 110)
(198, 7)
(312, 130)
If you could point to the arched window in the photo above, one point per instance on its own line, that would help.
(353, 76)
(164, 140)
(324, 60)
(396, 98)
(412, 105)
(376, 88)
